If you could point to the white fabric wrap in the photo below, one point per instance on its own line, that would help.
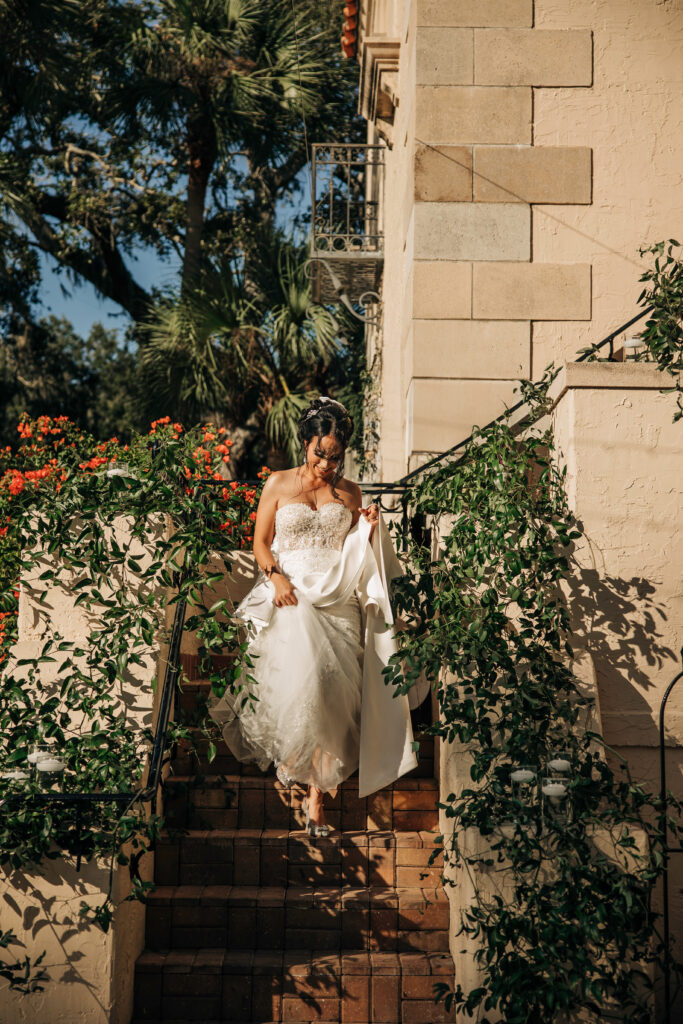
(386, 734)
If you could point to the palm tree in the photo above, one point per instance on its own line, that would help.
(213, 351)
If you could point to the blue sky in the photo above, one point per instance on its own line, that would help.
(84, 307)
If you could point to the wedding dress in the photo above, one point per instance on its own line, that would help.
(322, 708)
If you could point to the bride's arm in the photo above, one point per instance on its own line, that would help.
(264, 531)
(371, 513)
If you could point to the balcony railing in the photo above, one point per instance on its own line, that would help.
(346, 235)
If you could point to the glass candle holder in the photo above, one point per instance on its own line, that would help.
(13, 774)
(50, 771)
(559, 762)
(38, 752)
(556, 799)
(523, 781)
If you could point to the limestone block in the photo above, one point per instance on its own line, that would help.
(442, 290)
(532, 291)
(443, 174)
(469, 231)
(444, 56)
(475, 12)
(443, 412)
(460, 114)
(488, 349)
(520, 56)
(538, 174)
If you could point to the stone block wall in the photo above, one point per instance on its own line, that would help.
(515, 203)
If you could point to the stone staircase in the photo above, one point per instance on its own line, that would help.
(252, 920)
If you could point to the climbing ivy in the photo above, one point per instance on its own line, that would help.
(561, 915)
(663, 331)
(127, 532)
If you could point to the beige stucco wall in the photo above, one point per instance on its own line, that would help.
(91, 972)
(623, 456)
(535, 146)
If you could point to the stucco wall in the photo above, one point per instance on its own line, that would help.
(91, 972)
(623, 455)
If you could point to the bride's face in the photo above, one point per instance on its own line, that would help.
(323, 456)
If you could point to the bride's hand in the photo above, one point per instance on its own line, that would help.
(371, 513)
(284, 591)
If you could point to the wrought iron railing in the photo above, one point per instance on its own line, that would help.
(347, 240)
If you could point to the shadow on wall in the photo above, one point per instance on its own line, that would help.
(622, 625)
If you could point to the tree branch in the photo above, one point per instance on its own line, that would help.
(102, 266)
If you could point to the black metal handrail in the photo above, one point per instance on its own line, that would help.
(586, 354)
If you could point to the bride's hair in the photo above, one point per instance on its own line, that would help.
(326, 417)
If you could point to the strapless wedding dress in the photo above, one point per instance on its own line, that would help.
(307, 662)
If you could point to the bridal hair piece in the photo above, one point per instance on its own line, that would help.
(326, 417)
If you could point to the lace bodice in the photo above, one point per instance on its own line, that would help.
(308, 540)
(298, 526)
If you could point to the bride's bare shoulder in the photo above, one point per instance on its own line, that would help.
(353, 496)
(280, 482)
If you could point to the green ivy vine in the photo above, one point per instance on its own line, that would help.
(569, 927)
(663, 331)
(128, 531)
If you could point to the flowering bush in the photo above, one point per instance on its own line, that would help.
(62, 494)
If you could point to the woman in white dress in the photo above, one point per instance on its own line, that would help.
(322, 620)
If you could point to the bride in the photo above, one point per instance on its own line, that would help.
(321, 622)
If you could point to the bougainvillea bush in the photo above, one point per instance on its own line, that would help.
(64, 497)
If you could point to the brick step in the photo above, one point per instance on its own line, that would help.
(189, 761)
(212, 985)
(237, 801)
(280, 857)
(324, 918)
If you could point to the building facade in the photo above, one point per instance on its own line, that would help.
(532, 149)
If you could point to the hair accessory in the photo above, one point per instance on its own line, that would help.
(325, 399)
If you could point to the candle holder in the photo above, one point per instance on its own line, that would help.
(13, 775)
(559, 762)
(39, 752)
(50, 771)
(523, 781)
(556, 799)
(117, 469)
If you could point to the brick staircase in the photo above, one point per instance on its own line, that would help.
(252, 920)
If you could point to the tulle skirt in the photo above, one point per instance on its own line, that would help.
(307, 672)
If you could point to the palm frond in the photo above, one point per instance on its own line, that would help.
(282, 423)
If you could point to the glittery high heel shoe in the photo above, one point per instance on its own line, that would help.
(311, 827)
(317, 831)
